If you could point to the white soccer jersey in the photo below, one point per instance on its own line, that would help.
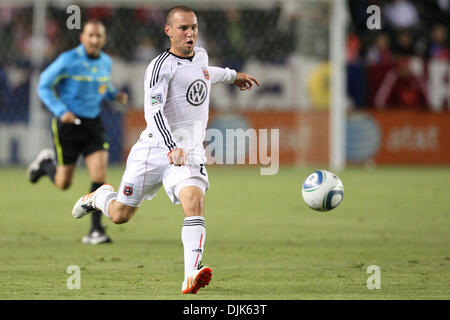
(177, 101)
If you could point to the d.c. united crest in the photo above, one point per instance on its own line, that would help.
(128, 189)
(205, 73)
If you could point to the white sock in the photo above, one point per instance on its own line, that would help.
(193, 236)
(103, 199)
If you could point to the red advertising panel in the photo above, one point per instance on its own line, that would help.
(413, 138)
(388, 137)
(303, 137)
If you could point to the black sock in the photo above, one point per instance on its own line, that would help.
(49, 167)
(96, 215)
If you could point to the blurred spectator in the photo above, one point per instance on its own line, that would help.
(400, 14)
(404, 44)
(401, 89)
(6, 15)
(22, 30)
(4, 92)
(380, 52)
(438, 47)
(353, 48)
(52, 33)
(234, 41)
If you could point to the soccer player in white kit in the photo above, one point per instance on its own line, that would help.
(170, 150)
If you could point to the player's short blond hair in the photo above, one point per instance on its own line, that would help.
(176, 9)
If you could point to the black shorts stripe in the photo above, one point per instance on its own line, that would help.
(164, 132)
(157, 68)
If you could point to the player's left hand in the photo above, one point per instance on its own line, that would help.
(245, 81)
(122, 97)
(177, 157)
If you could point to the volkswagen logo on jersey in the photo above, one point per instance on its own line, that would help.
(197, 92)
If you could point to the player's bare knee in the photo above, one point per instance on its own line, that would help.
(192, 203)
(120, 218)
(120, 213)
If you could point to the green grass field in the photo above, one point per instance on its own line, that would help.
(262, 241)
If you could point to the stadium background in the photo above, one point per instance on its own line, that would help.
(397, 91)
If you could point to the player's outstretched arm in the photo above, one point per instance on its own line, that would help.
(245, 81)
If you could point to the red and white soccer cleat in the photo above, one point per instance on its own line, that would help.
(197, 279)
(85, 204)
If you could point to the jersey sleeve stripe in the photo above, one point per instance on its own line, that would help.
(169, 136)
(155, 66)
(157, 69)
(161, 131)
(164, 132)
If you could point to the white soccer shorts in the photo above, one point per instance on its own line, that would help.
(148, 169)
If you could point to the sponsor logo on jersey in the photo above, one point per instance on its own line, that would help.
(128, 189)
(197, 92)
(157, 99)
(205, 73)
(102, 88)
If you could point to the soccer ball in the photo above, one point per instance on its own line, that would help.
(322, 190)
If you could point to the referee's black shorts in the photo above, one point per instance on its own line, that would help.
(71, 140)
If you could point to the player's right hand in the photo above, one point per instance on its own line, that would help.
(68, 117)
(245, 81)
(177, 157)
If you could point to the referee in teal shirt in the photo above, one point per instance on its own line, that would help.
(72, 88)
